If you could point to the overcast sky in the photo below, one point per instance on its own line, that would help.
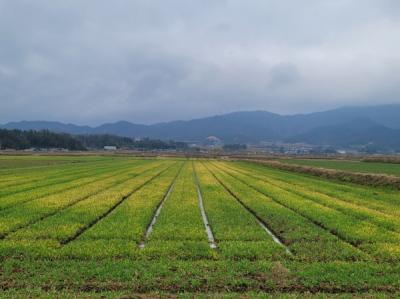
(94, 61)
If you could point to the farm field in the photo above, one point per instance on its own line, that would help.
(25, 161)
(130, 227)
(349, 165)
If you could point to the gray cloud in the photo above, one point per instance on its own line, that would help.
(148, 61)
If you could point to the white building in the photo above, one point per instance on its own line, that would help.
(110, 148)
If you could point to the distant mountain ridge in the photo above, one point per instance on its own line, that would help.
(254, 126)
(357, 134)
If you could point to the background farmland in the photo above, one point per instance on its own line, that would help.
(349, 165)
(117, 226)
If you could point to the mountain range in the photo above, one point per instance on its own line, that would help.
(377, 126)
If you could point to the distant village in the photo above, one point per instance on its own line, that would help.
(215, 144)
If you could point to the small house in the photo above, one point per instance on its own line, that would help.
(110, 148)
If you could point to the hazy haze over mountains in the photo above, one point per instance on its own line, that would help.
(346, 126)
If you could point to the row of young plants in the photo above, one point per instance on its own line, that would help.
(349, 228)
(30, 212)
(307, 241)
(117, 235)
(180, 217)
(237, 232)
(131, 218)
(45, 169)
(68, 222)
(38, 180)
(58, 180)
(360, 211)
(120, 233)
(383, 200)
(46, 176)
(179, 231)
(359, 233)
(70, 183)
(22, 176)
(12, 166)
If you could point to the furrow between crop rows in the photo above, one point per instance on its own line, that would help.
(207, 225)
(237, 232)
(260, 221)
(179, 231)
(157, 212)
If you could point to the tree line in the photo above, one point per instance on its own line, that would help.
(20, 140)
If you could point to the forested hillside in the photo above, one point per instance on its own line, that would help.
(20, 140)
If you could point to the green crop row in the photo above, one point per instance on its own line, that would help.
(179, 229)
(360, 233)
(347, 227)
(73, 182)
(115, 235)
(229, 221)
(132, 217)
(360, 211)
(33, 211)
(383, 200)
(237, 232)
(22, 176)
(68, 222)
(37, 180)
(180, 217)
(306, 240)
